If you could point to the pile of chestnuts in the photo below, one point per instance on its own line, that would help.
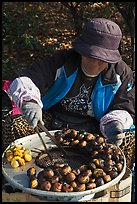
(106, 162)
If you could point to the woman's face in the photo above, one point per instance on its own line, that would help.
(92, 66)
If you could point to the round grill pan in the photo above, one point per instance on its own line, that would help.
(74, 158)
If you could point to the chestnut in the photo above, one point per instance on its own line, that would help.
(107, 168)
(75, 142)
(90, 186)
(57, 187)
(74, 133)
(70, 177)
(98, 173)
(119, 167)
(99, 182)
(66, 131)
(67, 188)
(83, 168)
(110, 161)
(92, 166)
(31, 171)
(45, 185)
(33, 183)
(88, 172)
(54, 179)
(65, 170)
(94, 153)
(92, 180)
(80, 137)
(73, 184)
(76, 171)
(106, 155)
(40, 176)
(113, 174)
(107, 178)
(80, 187)
(89, 137)
(96, 161)
(83, 143)
(115, 157)
(48, 173)
(100, 140)
(82, 178)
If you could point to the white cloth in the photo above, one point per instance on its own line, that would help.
(119, 115)
(23, 89)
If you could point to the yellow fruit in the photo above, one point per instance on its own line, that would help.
(9, 152)
(21, 162)
(19, 147)
(27, 151)
(10, 157)
(27, 157)
(18, 153)
(14, 163)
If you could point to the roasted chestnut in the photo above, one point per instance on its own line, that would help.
(76, 171)
(70, 177)
(80, 136)
(88, 172)
(31, 171)
(92, 166)
(67, 188)
(106, 155)
(66, 131)
(90, 186)
(74, 133)
(80, 187)
(54, 179)
(40, 176)
(83, 168)
(107, 178)
(48, 173)
(75, 142)
(82, 178)
(98, 173)
(115, 157)
(99, 182)
(94, 153)
(65, 170)
(73, 184)
(92, 180)
(119, 167)
(33, 183)
(107, 168)
(82, 143)
(89, 137)
(100, 140)
(45, 185)
(113, 174)
(57, 187)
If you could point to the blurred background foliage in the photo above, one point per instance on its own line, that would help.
(32, 30)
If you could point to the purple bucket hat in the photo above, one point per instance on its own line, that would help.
(100, 39)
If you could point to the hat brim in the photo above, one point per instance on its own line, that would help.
(106, 55)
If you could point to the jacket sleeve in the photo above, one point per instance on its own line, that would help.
(125, 96)
(43, 71)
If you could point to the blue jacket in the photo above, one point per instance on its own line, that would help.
(102, 95)
(114, 89)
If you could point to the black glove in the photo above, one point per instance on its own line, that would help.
(114, 132)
